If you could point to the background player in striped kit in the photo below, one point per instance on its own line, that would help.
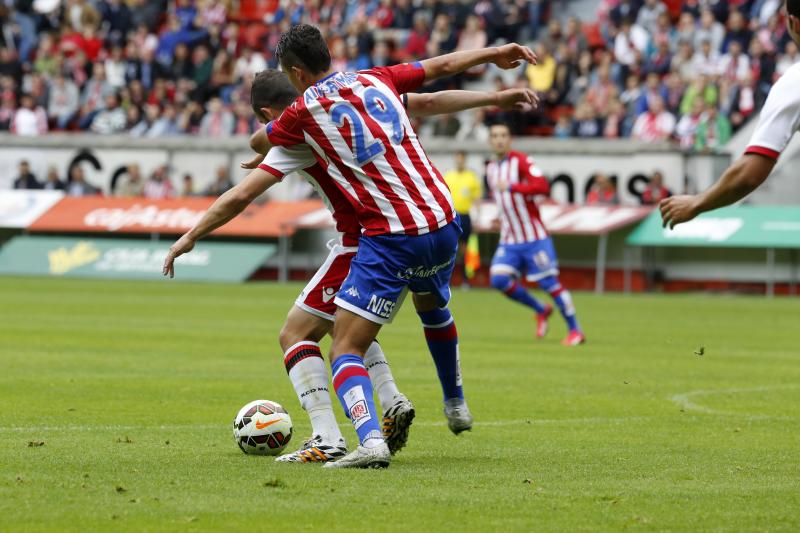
(525, 246)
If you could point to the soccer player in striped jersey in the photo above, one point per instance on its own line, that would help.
(359, 131)
(311, 318)
(514, 181)
(777, 123)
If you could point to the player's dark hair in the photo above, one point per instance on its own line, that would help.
(793, 7)
(304, 47)
(500, 123)
(271, 88)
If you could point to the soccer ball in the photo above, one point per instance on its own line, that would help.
(262, 428)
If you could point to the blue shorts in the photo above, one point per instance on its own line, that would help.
(387, 266)
(536, 260)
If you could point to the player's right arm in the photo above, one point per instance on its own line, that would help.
(444, 102)
(778, 121)
(506, 57)
(224, 209)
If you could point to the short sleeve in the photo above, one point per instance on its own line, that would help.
(780, 117)
(405, 78)
(283, 160)
(286, 130)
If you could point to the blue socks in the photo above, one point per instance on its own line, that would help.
(354, 389)
(563, 300)
(442, 337)
(514, 290)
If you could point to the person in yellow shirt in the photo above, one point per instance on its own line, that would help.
(465, 187)
(542, 75)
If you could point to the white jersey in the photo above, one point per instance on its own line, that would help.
(780, 116)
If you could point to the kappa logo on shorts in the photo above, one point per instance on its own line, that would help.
(352, 291)
(328, 293)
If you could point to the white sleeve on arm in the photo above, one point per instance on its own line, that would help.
(282, 160)
(779, 118)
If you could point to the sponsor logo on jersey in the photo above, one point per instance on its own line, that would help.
(423, 272)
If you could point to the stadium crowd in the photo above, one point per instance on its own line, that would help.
(692, 70)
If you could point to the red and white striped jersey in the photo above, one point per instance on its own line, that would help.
(358, 128)
(514, 181)
(284, 160)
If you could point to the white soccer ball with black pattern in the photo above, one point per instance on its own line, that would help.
(262, 427)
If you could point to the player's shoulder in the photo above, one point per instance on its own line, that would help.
(522, 157)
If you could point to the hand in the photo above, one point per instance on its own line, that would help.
(253, 163)
(182, 246)
(510, 55)
(517, 100)
(678, 209)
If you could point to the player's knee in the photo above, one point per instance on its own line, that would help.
(288, 336)
(501, 282)
(550, 284)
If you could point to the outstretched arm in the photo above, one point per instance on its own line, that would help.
(444, 102)
(224, 209)
(742, 178)
(506, 57)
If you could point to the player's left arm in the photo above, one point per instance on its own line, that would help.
(506, 57)
(742, 178)
(224, 209)
(444, 102)
(532, 180)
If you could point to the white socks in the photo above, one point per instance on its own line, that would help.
(380, 375)
(309, 375)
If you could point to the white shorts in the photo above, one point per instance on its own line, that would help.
(318, 296)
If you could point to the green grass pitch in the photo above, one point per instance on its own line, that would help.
(132, 388)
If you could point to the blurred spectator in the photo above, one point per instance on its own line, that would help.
(218, 121)
(30, 119)
(563, 128)
(541, 76)
(713, 130)
(249, 63)
(130, 183)
(159, 186)
(111, 119)
(655, 191)
(709, 31)
(64, 101)
(26, 179)
(8, 108)
(472, 37)
(657, 124)
(602, 192)
(630, 44)
(686, 130)
(52, 182)
(586, 123)
(649, 13)
(791, 57)
(187, 186)
(94, 95)
(417, 43)
(734, 65)
(624, 10)
(446, 126)
(77, 186)
(221, 184)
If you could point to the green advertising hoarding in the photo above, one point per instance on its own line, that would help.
(129, 259)
(731, 227)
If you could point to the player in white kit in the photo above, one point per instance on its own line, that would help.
(779, 120)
